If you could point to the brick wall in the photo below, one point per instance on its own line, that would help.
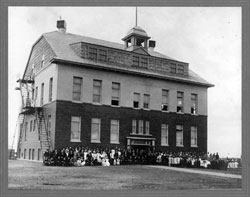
(125, 116)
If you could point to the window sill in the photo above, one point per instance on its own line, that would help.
(180, 112)
(115, 105)
(76, 101)
(138, 134)
(194, 114)
(96, 142)
(179, 145)
(165, 111)
(96, 103)
(75, 140)
(147, 109)
(164, 144)
(194, 146)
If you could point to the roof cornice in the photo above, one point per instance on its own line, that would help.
(134, 72)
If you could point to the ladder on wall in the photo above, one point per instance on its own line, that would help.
(43, 133)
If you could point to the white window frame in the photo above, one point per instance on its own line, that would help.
(181, 99)
(97, 89)
(179, 128)
(114, 92)
(194, 104)
(164, 135)
(165, 96)
(96, 121)
(134, 126)
(137, 99)
(114, 124)
(147, 127)
(146, 101)
(76, 119)
(193, 129)
(50, 89)
(76, 92)
(140, 128)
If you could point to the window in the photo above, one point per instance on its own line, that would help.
(92, 53)
(42, 61)
(50, 89)
(95, 130)
(29, 154)
(135, 61)
(147, 128)
(75, 129)
(25, 131)
(38, 154)
(49, 125)
(164, 135)
(172, 67)
(114, 131)
(144, 62)
(179, 135)
(194, 136)
(102, 55)
(164, 106)
(194, 105)
(97, 87)
(77, 86)
(140, 126)
(115, 94)
(31, 124)
(134, 126)
(36, 92)
(136, 100)
(33, 154)
(25, 153)
(180, 69)
(39, 128)
(34, 125)
(33, 93)
(42, 94)
(180, 102)
(146, 101)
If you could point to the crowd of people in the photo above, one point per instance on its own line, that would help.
(80, 156)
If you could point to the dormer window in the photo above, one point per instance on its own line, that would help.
(172, 67)
(102, 55)
(135, 61)
(180, 69)
(92, 53)
(144, 62)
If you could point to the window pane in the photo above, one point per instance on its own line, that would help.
(75, 128)
(114, 131)
(95, 130)
(133, 126)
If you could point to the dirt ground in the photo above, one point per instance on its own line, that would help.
(33, 175)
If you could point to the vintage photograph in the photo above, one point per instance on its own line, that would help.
(124, 98)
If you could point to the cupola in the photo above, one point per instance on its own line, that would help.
(136, 37)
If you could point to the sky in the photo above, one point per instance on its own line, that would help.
(208, 38)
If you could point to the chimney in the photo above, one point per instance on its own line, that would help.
(151, 45)
(61, 25)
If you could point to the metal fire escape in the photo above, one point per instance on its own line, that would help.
(26, 87)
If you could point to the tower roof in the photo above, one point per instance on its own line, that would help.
(138, 31)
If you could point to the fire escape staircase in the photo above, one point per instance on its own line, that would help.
(28, 108)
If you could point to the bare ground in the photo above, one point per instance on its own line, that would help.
(33, 175)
